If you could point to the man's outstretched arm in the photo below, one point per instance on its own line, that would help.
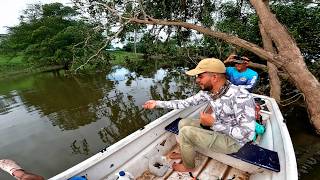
(16, 171)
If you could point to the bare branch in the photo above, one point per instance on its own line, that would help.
(85, 43)
(104, 46)
(113, 11)
(258, 66)
(142, 9)
(159, 31)
(272, 57)
(193, 61)
(169, 31)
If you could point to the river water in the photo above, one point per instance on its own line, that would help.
(52, 121)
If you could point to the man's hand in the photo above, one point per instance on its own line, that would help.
(231, 58)
(206, 119)
(245, 58)
(149, 104)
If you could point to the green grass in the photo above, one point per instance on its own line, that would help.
(4, 60)
(120, 57)
(14, 67)
(8, 64)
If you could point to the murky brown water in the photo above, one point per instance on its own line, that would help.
(50, 122)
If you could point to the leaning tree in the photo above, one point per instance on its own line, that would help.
(279, 50)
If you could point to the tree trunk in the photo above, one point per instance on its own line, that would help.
(275, 83)
(294, 63)
(309, 86)
(274, 80)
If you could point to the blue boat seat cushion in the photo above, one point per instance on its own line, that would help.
(249, 153)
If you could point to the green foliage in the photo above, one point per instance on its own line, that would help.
(9, 64)
(150, 45)
(300, 17)
(237, 21)
(232, 17)
(51, 35)
(57, 10)
(303, 22)
(215, 48)
(122, 57)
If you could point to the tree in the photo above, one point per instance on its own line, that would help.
(303, 22)
(50, 35)
(301, 19)
(197, 15)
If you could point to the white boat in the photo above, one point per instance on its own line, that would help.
(133, 153)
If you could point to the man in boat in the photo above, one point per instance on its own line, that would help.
(16, 171)
(240, 74)
(225, 127)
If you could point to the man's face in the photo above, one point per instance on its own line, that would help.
(204, 81)
(241, 66)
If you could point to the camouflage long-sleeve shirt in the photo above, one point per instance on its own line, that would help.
(234, 112)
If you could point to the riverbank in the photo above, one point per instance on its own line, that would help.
(13, 67)
(8, 64)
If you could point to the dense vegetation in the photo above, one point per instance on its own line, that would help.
(240, 21)
(52, 34)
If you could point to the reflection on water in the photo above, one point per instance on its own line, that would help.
(306, 143)
(81, 148)
(6, 103)
(50, 121)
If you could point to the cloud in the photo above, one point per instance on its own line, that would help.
(10, 11)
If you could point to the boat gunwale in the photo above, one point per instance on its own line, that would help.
(291, 172)
(101, 156)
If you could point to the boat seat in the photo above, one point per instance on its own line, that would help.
(259, 156)
(250, 153)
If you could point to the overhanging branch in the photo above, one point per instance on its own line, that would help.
(104, 46)
(266, 55)
(269, 56)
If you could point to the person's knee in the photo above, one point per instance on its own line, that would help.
(183, 122)
(186, 131)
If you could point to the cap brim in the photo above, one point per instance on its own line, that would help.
(194, 72)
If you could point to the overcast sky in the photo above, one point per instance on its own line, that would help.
(10, 10)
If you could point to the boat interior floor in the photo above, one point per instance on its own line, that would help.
(206, 169)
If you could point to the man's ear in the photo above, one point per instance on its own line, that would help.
(215, 76)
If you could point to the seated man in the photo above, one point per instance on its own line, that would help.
(231, 118)
(241, 75)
